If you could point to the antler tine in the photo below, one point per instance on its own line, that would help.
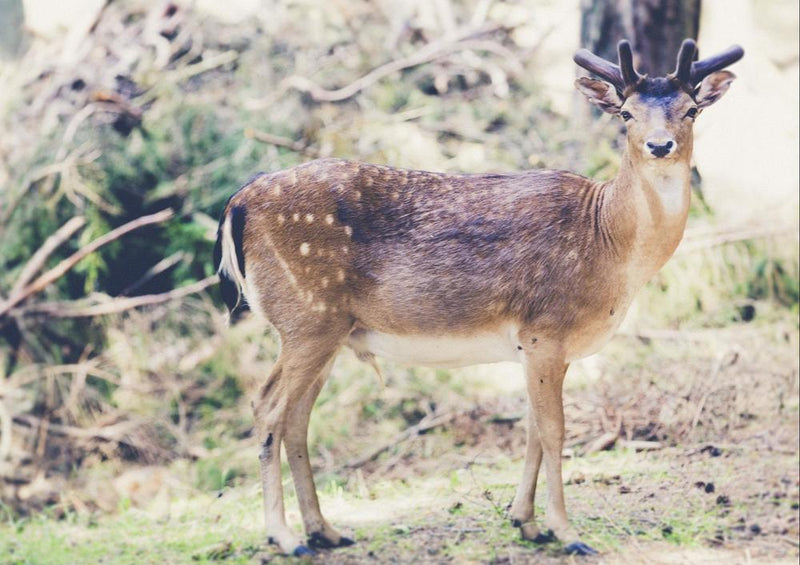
(701, 69)
(600, 67)
(683, 68)
(629, 74)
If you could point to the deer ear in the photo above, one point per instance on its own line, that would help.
(600, 93)
(713, 87)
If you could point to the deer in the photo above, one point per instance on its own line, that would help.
(449, 270)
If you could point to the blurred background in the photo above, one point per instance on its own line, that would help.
(126, 125)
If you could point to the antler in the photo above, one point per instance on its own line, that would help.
(622, 76)
(683, 69)
(701, 69)
(691, 74)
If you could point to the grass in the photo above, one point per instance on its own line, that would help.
(460, 516)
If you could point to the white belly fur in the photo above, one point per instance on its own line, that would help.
(439, 351)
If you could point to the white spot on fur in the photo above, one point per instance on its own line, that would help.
(329, 219)
(295, 217)
(325, 282)
(281, 218)
(357, 194)
(345, 249)
(309, 218)
(348, 230)
(340, 275)
(395, 196)
(276, 190)
(305, 249)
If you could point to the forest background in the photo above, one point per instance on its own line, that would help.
(124, 398)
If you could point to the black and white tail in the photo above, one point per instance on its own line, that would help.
(229, 260)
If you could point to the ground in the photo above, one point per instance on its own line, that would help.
(700, 466)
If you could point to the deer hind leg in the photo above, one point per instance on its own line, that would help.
(295, 373)
(268, 409)
(320, 533)
(545, 368)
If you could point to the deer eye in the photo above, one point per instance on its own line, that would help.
(691, 113)
(625, 115)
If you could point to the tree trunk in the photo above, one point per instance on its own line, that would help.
(655, 29)
(12, 28)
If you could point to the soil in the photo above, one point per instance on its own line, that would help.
(715, 478)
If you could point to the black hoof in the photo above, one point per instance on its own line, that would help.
(579, 548)
(302, 550)
(547, 537)
(318, 541)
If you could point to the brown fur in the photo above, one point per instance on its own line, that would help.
(336, 253)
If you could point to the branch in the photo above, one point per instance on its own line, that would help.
(413, 431)
(59, 270)
(428, 53)
(272, 139)
(38, 259)
(113, 432)
(114, 306)
(154, 271)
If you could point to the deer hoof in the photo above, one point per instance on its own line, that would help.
(318, 540)
(579, 548)
(302, 550)
(544, 537)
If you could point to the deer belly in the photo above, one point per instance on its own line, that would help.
(445, 351)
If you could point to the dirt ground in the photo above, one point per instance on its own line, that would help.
(701, 465)
(682, 447)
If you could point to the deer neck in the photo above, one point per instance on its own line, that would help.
(660, 193)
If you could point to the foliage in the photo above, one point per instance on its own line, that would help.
(118, 137)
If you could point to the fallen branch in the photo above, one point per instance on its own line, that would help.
(602, 443)
(430, 52)
(59, 270)
(272, 139)
(154, 271)
(38, 259)
(117, 305)
(411, 432)
(112, 432)
(641, 445)
(187, 72)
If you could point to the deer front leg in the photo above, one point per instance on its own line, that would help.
(545, 368)
(522, 509)
(320, 533)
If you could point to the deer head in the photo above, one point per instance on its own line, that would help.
(658, 111)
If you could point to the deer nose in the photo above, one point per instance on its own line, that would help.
(660, 147)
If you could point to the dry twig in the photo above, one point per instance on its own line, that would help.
(430, 52)
(272, 139)
(59, 270)
(409, 433)
(115, 306)
(38, 259)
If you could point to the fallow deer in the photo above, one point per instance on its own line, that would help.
(449, 270)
